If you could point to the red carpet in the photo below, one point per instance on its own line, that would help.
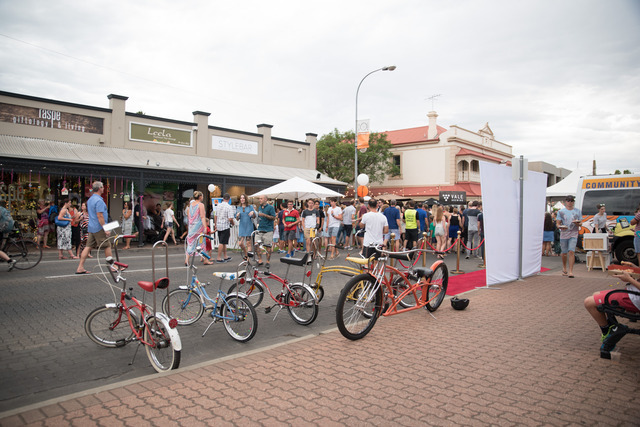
(465, 282)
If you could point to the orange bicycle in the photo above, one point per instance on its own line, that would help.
(386, 290)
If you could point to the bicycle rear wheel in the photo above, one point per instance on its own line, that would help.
(160, 348)
(437, 287)
(301, 305)
(239, 318)
(359, 306)
(399, 286)
(252, 290)
(109, 327)
(184, 305)
(26, 253)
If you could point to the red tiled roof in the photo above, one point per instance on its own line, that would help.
(411, 135)
(471, 188)
(467, 152)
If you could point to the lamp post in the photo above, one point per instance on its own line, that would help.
(355, 142)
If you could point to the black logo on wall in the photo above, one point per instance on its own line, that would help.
(453, 197)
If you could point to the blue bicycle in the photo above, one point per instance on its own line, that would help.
(188, 303)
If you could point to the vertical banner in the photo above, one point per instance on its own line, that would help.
(501, 216)
(363, 134)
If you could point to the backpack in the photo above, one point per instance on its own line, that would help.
(6, 221)
(53, 214)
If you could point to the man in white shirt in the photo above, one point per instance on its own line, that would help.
(347, 221)
(375, 226)
(334, 214)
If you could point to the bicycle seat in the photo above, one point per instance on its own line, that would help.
(357, 260)
(423, 271)
(296, 261)
(162, 283)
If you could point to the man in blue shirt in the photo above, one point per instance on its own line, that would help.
(423, 219)
(98, 216)
(266, 216)
(393, 219)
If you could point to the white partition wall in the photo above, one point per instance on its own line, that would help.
(501, 213)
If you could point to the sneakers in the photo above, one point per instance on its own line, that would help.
(12, 263)
(281, 251)
(288, 255)
(611, 338)
(467, 257)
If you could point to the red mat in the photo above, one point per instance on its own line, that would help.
(465, 282)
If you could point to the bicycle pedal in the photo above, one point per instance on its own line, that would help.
(267, 310)
(121, 343)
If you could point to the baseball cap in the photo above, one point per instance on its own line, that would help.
(570, 198)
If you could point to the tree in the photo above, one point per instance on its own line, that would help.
(335, 155)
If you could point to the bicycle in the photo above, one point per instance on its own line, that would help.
(368, 295)
(25, 252)
(131, 320)
(299, 299)
(188, 303)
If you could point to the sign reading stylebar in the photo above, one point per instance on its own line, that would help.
(235, 145)
(52, 119)
(159, 135)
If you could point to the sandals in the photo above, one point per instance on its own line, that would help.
(259, 262)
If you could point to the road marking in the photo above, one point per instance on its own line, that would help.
(106, 272)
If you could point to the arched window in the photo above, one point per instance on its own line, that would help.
(475, 166)
(463, 170)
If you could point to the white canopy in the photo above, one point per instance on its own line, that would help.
(568, 186)
(297, 188)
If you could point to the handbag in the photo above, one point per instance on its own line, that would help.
(61, 222)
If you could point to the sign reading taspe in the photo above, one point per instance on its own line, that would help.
(453, 197)
(52, 119)
(159, 135)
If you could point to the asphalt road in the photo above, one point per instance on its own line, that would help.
(45, 352)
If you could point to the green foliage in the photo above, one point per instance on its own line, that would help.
(625, 172)
(336, 154)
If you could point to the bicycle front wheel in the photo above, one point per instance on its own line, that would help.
(159, 346)
(109, 327)
(26, 253)
(437, 287)
(184, 305)
(252, 290)
(301, 305)
(239, 318)
(359, 306)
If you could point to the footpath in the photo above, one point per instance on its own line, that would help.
(524, 354)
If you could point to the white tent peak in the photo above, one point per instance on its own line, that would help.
(297, 188)
(568, 186)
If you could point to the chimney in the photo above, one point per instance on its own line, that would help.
(433, 128)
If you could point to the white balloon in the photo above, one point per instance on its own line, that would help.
(212, 188)
(366, 198)
(363, 179)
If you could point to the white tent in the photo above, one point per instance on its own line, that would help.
(567, 186)
(297, 188)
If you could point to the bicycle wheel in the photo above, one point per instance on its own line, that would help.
(239, 318)
(253, 291)
(319, 291)
(359, 306)
(437, 285)
(399, 286)
(160, 349)
(26, 253)
(109, 327)
(185, 306)
(301, 305)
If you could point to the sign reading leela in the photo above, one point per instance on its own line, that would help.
(53, 119)
(159, 135)
(453, 197)
(234, 145)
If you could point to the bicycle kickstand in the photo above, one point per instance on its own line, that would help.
(210, 324)
(267, 310)
(135, 353)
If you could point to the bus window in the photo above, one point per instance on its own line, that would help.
(616, 202)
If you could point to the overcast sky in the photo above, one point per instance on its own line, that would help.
(558, 80)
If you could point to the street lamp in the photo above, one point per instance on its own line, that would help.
(355, 142)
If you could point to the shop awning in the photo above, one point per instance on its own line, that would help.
(61, 151)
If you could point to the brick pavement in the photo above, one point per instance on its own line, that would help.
(524, 354)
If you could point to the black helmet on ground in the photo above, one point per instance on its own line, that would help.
(459, 303)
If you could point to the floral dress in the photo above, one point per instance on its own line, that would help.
(196, 227)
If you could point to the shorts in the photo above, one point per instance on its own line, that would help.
(168, 225)
(453, 231)
(307, 233)
(348, 228)
(395, 231)
(223, 236)
(96, 239)
(411, 234)
(620, 297)
(333, 231)
(547, 236)
(568, 245)
(265, 237)
(636, 243)
(290, 235)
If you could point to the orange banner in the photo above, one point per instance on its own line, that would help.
(363, 140)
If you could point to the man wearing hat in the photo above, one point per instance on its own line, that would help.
(569, 220)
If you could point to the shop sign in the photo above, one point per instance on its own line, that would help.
(159, 135)
(453, 197)
(52, 119)
(11, 193)
(234, 145)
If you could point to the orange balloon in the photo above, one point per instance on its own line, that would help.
(362, 190)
